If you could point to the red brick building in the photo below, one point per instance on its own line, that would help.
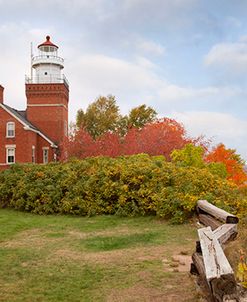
(36, 134)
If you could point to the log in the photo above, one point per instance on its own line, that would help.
(198, 262)
(218, 271)
(200, 270)
(225, 233)
(208, 220)
(205, 207)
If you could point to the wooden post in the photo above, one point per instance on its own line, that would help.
(209, 260)
(225, 233)
(205, 207)
(218, 271)
(208, 220)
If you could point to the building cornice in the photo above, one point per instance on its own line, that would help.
(47, 105)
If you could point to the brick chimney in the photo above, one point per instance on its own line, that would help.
(1, 93)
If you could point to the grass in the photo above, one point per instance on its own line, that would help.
(106, 258)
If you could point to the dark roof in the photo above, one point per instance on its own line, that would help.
(21, 115)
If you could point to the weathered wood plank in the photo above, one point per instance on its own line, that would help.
(218, 271)
(206, 207)
(208, 220)
(215, 261)
(225, 233)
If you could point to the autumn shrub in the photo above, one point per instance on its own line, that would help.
(125, 186)
(233, 162)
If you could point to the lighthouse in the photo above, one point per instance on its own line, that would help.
(47, 65)
(47, 92)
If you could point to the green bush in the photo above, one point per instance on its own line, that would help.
(126, 186)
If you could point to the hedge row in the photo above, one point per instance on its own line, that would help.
(126, 186)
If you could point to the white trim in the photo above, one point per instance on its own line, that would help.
(33, 154)
(7, 154)
(42, 135)
(10, 146)
(45, 155)
(47, 105)
(7, 129)
(27, 127)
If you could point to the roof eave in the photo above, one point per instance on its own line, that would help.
(27, 127)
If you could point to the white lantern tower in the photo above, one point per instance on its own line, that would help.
(47, 66)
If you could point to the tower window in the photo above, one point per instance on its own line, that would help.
(45, 73)
(10, 129)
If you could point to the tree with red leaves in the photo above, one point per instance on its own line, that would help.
(79, 144)
(109, 144)
(157, 138)
(233, 162)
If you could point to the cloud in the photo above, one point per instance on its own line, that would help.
(220, 127)
(96, 74)
(149, 47)
(15, 59)
(135, 82)
(159, 9)
(228, 56)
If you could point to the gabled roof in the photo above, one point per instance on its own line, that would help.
(20, 115)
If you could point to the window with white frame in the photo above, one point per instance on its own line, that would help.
(10, 154)
(10, 129)
(45, 155)
(33, 154)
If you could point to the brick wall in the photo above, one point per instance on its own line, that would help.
(47, 109)
(23, 141)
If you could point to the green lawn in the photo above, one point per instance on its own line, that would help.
(105, 258)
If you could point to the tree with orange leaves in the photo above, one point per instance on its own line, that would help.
(233, 162)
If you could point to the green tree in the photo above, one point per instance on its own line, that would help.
(100, 117)
(218, 169)
(189, 156)
(193, 156)
(103, 116)
(141, 115)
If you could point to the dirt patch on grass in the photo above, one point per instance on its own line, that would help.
(178, 263)
(116, 256)
(170, 262)
(137, 293)
(8, 290)
(38, 238)
(106, 233)
(34, 238)
(140, 293)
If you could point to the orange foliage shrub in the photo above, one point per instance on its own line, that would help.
(233, 162)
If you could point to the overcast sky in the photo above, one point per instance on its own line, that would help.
(185, 58)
